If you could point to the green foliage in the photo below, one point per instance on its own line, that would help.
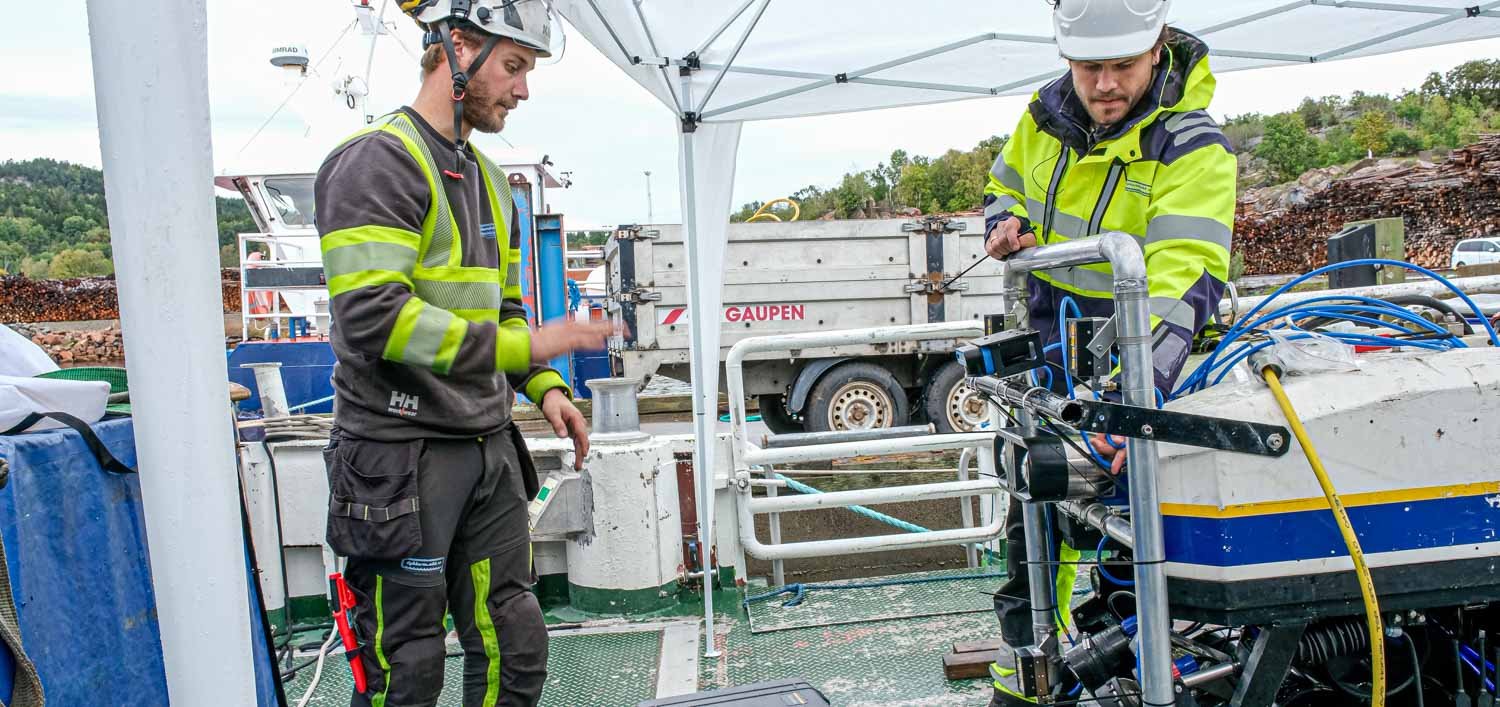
(1287, 146)
(953, 182)
(1318, 113)
(1339, 146)
(1403, 143)
(1475, 82)
(1236, 265)
(1449, 110)
(11, 255)
(79, 263)
(51, 209)
(35, 268)
(583, 238)
(229, 256)
(1242, 129)
(1372, 131)
(234, 219)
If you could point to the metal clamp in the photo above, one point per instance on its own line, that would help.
(1104, 340)
(933, 284)
(935, 224)
(639, 295)
(636, 233)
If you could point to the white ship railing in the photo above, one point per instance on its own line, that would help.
(748, 456)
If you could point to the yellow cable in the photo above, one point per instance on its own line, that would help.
(762, 213)
(1366, 584)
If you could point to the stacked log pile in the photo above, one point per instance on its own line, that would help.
(77, 347)
(83, 299)
(26, 300)
(1285, 229)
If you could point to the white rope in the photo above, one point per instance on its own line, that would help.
(318, 672)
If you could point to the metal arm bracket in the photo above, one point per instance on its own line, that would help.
(1183, 428)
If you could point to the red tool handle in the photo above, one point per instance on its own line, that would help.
(341, 619)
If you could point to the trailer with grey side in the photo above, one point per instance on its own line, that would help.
(803, 276)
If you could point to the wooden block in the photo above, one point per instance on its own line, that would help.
(238, 392)
(975, 646)
(969, 665)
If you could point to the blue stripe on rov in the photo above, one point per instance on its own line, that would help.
(1307, 535)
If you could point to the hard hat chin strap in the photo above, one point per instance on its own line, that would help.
(461, 83)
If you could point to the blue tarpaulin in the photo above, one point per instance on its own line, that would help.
(75, 544)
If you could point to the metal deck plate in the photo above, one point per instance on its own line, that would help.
(856, 601)
(583, 669)
(854, 645)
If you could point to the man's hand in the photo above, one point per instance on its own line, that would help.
(567, 421)
(1006, 238)
(1105, 445)
(553, 340)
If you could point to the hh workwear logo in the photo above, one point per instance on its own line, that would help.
(403, 404)
(1138, 188)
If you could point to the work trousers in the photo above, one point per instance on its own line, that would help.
(462, 547)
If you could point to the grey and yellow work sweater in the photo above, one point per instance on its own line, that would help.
(429, 331)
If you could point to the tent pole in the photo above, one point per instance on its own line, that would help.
(703, 48)
(174, 337)
(1458, 14)
(1202, 31)
(935, 51)
(705, 403)
(651, 42)
(734, 54)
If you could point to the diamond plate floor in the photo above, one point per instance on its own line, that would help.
(602, 669)
(879, 598)
(846, 642)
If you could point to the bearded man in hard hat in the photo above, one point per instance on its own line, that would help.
(429, 479)
(1121, 142)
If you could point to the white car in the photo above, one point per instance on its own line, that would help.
(1476, 251)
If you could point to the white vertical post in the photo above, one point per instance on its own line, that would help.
(272, 389)
(150, 63)
(705, 407)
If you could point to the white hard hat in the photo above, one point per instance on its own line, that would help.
(527, 22)
(1095, 30)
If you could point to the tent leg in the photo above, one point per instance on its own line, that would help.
(174, 337)
(705, 407)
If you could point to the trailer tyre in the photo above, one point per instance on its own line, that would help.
(950, 405)
(773, 412)
(856, 396)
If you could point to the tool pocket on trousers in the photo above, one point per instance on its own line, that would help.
(372, 498)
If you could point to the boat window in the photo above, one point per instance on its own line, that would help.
(292, 197)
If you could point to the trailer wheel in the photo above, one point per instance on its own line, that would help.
(856, 396)
(950, 405)
(773, 412)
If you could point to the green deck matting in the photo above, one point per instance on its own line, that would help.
(880, 647)
(583, 669)
(878, 664)
(906, 597)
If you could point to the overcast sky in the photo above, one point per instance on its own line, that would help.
(585, 114)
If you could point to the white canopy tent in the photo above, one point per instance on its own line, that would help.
(718, 64)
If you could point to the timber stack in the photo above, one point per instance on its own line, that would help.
(81, 299)
(1285, 229)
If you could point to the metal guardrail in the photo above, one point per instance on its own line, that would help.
(279, 316)
(748, 456)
